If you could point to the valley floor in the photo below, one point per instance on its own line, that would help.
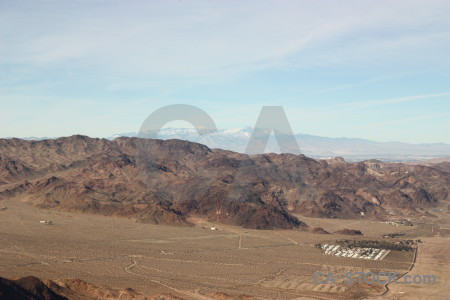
(197, 262)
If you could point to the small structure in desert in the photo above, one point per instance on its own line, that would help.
(46, 222)
(403, 222)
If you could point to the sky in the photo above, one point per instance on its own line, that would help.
(378, 70)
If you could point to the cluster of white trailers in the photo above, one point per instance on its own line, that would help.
(364, 253)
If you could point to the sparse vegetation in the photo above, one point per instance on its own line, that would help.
(347, 231)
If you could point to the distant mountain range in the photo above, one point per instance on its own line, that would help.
(351, 149)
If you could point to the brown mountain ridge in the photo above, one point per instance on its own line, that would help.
(167, 181)
(32, 288)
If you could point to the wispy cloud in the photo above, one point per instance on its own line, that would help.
(364, 104)
(189, 39)
(365, 82)
(334, 109)
(406, 120)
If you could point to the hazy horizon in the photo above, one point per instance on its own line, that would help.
(220, 130)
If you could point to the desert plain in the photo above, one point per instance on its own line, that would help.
(199, 263)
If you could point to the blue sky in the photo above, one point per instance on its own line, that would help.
(370, 69)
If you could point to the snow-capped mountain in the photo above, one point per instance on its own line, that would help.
(351, 149)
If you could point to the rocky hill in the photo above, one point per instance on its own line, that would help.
(27, 288)
(32, 288)
(167, 181)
